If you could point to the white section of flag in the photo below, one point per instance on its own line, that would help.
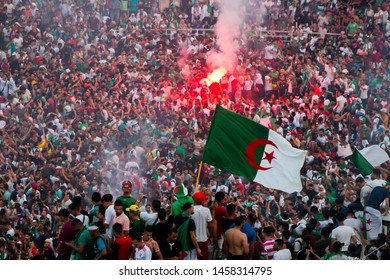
(375, 155)
(344, 150)
(285, 172)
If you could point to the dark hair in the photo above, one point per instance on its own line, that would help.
(314, 209)
(267, 230)
(96, 197)
(117, 228)
(279, 242)
(100, 225)
(325, 213)
(172, 230)
(64, 213)
(359, 179)
(118, 203)
(137, 237)
(376, 172)
(102, 210)
(162, 214)
(156, 204)
(239, 221)
(107, 197)
(219, 196)
(75, 222)
(286, 234)
(230, 208)
(77, 199)
(340, 217)
(74, 206)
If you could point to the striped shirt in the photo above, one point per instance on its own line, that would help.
(268, 249)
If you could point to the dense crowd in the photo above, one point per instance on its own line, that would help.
(104, 116)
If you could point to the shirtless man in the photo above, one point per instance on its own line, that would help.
(236, 242)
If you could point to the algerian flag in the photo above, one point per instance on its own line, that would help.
(366, 159)
(344, 150)
(244, 147)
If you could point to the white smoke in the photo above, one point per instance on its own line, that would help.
(227, 30)
(182, 63)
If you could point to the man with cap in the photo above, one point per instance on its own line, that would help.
(181, 199)
(202, 217)
(186, 232)
(99, 243)
(137, 225)
(126, 198)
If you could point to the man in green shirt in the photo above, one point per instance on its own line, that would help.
(82, 239)
(126, 198)
(137, 225)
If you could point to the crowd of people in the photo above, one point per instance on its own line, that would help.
(104, 117)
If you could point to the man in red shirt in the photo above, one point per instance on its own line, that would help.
(122, 246)
(67, 234)
(220, 212)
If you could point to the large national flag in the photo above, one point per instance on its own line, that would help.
(366, 159)
(246, 148)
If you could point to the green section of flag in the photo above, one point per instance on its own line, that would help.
(362, 163)
(228, 139)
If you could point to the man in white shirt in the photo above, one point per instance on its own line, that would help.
(343, 233)
(142, 252)
(282, 252)
(151, 218)
(324, 80)
(202, 218)
(341, 101)
(109, 216)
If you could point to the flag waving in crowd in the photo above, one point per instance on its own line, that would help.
(368, 158)
(244, 147)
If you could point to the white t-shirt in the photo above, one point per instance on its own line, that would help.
(201, 217)
(84, 219)
(11, 232)
(283, 254)
(344, 235)
(342, 101)
(354, 223)
(109, 219)
(143, 254)
(149, 218)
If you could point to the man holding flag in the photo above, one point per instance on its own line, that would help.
(246, 148)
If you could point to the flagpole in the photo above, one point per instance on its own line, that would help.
(197, 178)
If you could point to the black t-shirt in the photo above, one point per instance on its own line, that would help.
(160, 230)
(170, 250)
(180, 219)
(378, 194)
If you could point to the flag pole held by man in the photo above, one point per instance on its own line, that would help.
(246, 148)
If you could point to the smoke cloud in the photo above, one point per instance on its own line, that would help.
(227, 30)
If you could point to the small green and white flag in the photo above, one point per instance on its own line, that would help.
(368, 158)
(246, 148)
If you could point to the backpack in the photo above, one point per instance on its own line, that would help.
(91, 248)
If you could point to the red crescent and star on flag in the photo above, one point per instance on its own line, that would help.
(251, 149)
